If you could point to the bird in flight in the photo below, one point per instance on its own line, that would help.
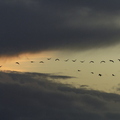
(74, 60)
(57, 59)
(111, 61)
(17, 63)
(113, 74)
(41, 62)
(92, 72)
(91, 62)
(82, 61)
(48, 58)
(100, 74)
(119, 59)
(66, 60)
(79, 70)
(32, 61)
(102, 61)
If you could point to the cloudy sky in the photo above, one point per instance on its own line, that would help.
(41, 25)
(59, 59)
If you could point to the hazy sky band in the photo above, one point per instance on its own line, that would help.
(37, 25)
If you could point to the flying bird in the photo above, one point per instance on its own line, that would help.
(32, 61)
(66, 60)
(113, 74)
(91, 62)
(79, 70)
(92, 72)
(17, 63)
(100, 74)
(1, 66)
(111, 61)
(102, 61)
(57, 59)
(74, 60)
(119, 59)
(48, 58)
(82, 61)
(41, 62)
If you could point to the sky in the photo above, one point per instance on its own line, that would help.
(50, 59)
(29, 26)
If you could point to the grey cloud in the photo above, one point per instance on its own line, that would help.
(27, 77)
(37, 25)
(45, 75)
(112, 116)
(84, 86)
(37, 99)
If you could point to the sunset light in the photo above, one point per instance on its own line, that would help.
(59, 60)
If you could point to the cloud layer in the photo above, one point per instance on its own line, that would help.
(30, 96)
(40, 25)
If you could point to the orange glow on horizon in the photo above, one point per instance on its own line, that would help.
(27, 56)
(9, 63)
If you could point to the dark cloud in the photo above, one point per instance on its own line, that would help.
(44, 75)
(28, 77)
(40, 25)
(41, 99)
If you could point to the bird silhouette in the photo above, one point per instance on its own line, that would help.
(32, 61)
(100, 74)
(113, 74)
(92, 72)
(41, 62)
(66, 60)
(119, 59)
(79, 70)
(102, 61)
(74, 60)
(82, 61)
(111, 61)
(48, 58)
(91, 62)
(57, 59)
(17, 63)
(1, 66)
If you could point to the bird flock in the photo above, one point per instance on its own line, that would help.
(73, 60)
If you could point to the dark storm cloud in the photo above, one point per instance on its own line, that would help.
(37, 99)
(40, 25)
(84, 86)
(44, 75)
(30, 76)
